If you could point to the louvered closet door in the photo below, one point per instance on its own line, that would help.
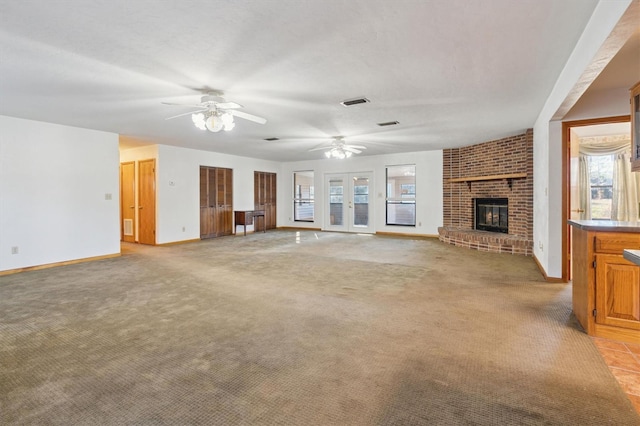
(207, 211)
(224, 201)
(216, 202)
(265, 196)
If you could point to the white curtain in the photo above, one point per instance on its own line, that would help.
(625, 189)
(625, 183)
(584, 185)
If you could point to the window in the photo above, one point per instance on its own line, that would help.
(401, 195)
(601, 179)
(303, 196)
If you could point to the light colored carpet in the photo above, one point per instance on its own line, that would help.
(299, 329)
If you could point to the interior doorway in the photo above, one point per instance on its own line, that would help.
(348, 202)
(128, 202)
(572, 208)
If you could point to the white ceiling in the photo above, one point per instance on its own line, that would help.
(452, 72)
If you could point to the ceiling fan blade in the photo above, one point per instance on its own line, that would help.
(228, 105)
(325, 148)
(186, 113)
(349, 148)
(246, 116)
(355, 146)
(185, 105)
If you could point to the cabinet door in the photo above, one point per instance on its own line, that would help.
(617, 292)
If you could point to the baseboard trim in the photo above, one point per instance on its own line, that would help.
(544, 273)
(56, 264)
(175, 243)
(298, 228)
(403, 234)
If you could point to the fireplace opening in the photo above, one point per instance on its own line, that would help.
(492, 214)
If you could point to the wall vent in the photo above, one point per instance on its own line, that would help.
(356, 101)
(271, 139)
(128, 227)
(388, 123)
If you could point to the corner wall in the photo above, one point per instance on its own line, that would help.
(504, 156)
(54, 185)
(547, 139)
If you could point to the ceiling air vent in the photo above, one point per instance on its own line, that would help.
(352, 102)
(271, 139)
(388, 123)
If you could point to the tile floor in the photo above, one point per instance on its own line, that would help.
(623, 360)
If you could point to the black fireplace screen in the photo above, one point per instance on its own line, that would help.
(492, 214)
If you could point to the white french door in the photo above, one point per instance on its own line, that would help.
(349, 202)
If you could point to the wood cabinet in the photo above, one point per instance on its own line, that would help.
(635, 128)
(606, 287)
(264, 187)
(216, 202)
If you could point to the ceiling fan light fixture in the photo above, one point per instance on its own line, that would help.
(214, 123)
(198, 120)
(338, 152)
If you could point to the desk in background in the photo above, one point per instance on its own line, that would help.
(245, 217)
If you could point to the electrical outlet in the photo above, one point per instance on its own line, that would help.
(14, 250)
(107, 196)
(184, 229)
(540, 245)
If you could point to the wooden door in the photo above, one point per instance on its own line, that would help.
(147, 201)
(224, 201)
(617, 292)
(127, 202)
(265, 197)
(207, 202)
(216, 202)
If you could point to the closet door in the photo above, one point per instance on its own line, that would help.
(207, 181)
(271, 201)
(265, 196)
(216, 202)
(224, 202)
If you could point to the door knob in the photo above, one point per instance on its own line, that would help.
(578, 211)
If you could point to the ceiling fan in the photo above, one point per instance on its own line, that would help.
(215, 113)
(339, 149)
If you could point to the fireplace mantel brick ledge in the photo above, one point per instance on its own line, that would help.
(493, 242)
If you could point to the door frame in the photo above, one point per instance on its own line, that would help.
(348, 227)
(566, 182)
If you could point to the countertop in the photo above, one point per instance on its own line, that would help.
(605, 225)
(632, 256)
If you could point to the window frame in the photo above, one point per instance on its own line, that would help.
(299, 200)
(402, 198)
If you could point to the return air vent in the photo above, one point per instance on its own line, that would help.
(271, 139)
(128, 227)
(356, 101)
(388, 123)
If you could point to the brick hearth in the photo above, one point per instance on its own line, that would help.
(511, 156)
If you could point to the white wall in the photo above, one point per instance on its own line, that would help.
(428, 189)
(53, 184)
(178, 186)
(547, 139)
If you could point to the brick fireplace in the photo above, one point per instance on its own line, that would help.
(500, 169)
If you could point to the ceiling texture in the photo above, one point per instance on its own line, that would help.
(451, 72)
